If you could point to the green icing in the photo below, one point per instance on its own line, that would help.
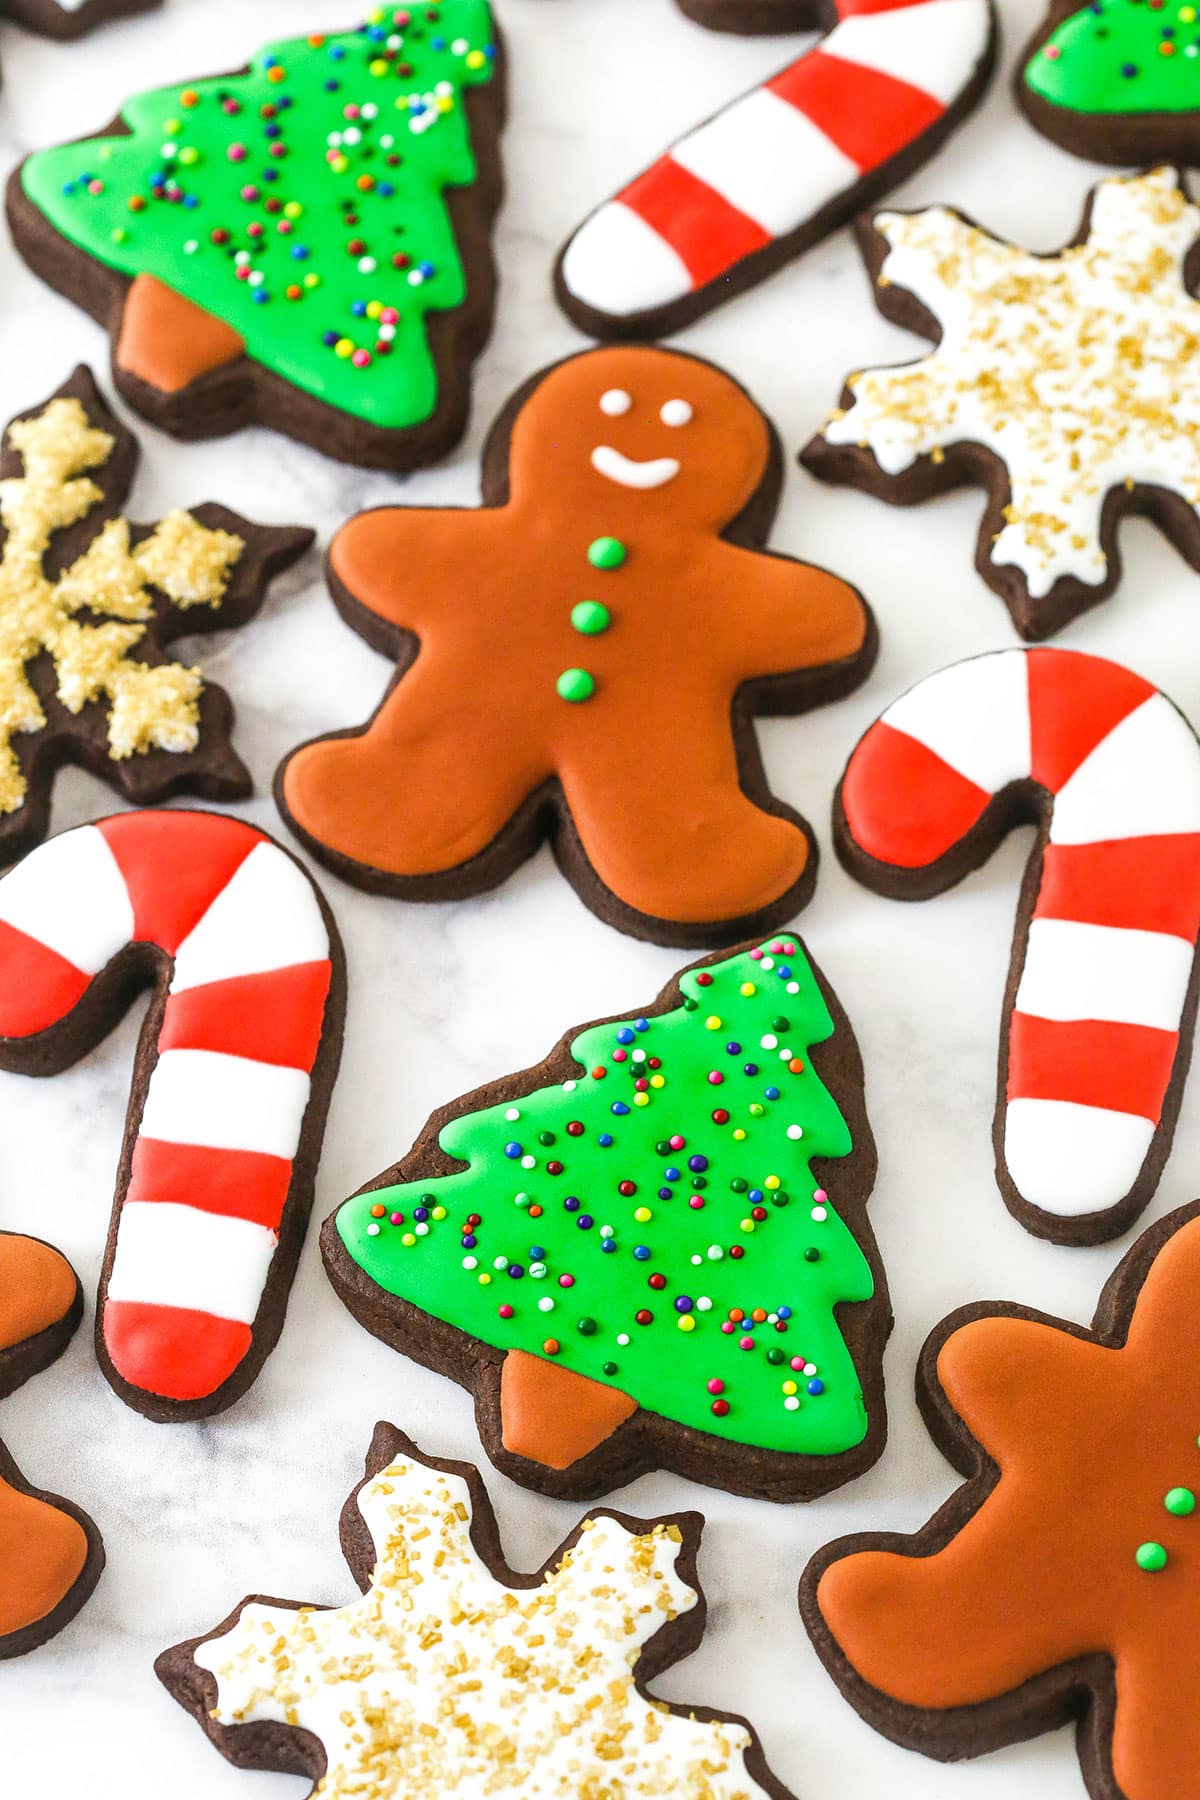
(1121, 56)
(642, 1083)
(303, 201)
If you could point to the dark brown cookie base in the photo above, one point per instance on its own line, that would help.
(646, 1440)
(245, 392)
(266, 1745)
(56, 22)
(974, 465)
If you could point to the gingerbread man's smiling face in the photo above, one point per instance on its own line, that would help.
(641, 435)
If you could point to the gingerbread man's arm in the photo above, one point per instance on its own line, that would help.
(792, 616)
(411, 566)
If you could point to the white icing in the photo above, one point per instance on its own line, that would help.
(768, 159)
(1077, 971)
(441, 1680)
(225, 1103)
(676, 413)
(70, 895)
(170, 1255)
(975, 716)
(934, 46)
(1142, 780)
(1069, 1159)
(615, 403)
(627, 473)
(619, 264)
(1081, 371)
(266, 917)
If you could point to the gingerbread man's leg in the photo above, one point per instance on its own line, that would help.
(665, 824)
(429, 785)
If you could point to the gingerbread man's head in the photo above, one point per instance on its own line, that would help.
(640, 435)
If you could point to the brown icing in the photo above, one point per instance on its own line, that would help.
(648, 765)
(168, 341)
(1088, 1440)
(37, 1289)
(42, 1554)
(554, 1415)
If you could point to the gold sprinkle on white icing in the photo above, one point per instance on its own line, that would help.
(150, 706)
(442, 1680)
(1081, 371)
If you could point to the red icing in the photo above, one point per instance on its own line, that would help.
(241, 1184)
(1141, 884)
(271, 1018)
(1093, 1062)
(886, 114)
(38, 987)
(170, 1351)
(1074, 702)
(704, 230)
(903, 804)
(175, 866)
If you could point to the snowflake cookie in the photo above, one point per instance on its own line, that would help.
(88, 604)
(453, 1675)
(1068, 385)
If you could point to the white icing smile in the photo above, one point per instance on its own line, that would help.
(622, 469)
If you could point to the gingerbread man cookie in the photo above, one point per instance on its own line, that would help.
(581, 659)
(1062, 1581)
(50, 1552)
(71, 18)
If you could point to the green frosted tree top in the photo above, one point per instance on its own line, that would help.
(302, 201)
(1121, 56)
(654, 1222)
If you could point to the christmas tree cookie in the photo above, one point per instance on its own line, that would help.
(303, 242)
(89, 605)
(652, 1249)
(1117, 80)
(453, 1675)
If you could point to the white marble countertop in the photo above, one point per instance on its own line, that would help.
(442, 998)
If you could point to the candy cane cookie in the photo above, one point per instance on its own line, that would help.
(231, 1081)
(1101, 996)
(782, 166)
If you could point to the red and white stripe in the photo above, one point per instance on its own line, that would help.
(1104, 973)
(223, 1112)
(773, 160)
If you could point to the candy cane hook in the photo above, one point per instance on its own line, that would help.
(1101, 996)
(231, 1083)
(781, 167)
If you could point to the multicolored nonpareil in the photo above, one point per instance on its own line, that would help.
(631, 1253)
(302, 242)
(234, 1067)
(1067, 385)
(1062, 1581)
(1101, 995)
(454, 1675)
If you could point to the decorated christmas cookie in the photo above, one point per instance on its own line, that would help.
(234, 1067)
(453, 1674)
(652, 1249)
(1101, 997)
(89, 604)
(303, 243)
(1062, 1581)
(782, 166)
(1117, 80)
(70, 18)
(582, 659)
(50, 1552)
(1068, 386)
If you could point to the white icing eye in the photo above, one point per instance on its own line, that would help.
(676, 412)
(615, 402)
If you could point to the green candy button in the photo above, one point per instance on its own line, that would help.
(1181, 1502)
(590, 618)
(575, 685)
(1151, 1557)
(607, 553)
